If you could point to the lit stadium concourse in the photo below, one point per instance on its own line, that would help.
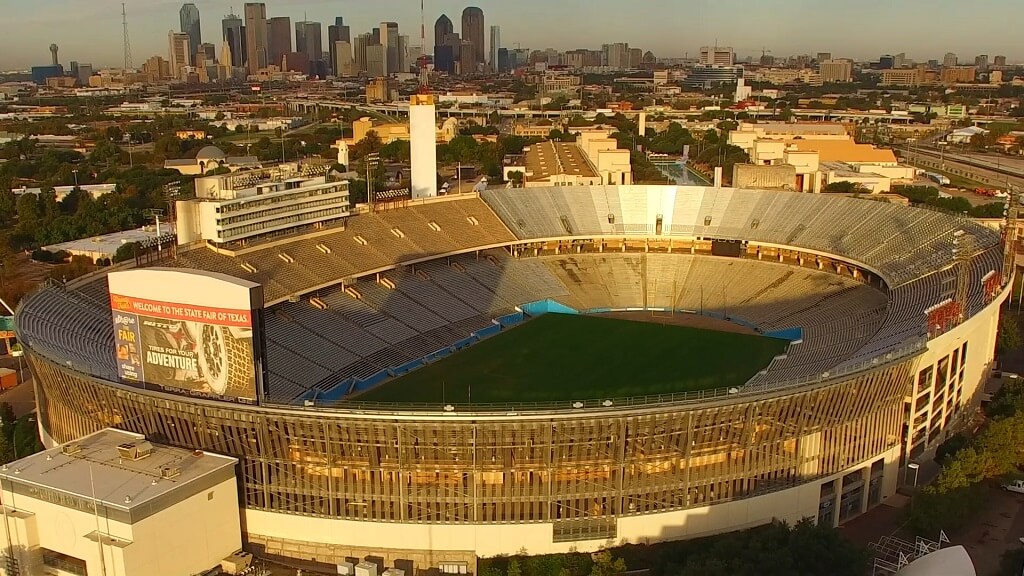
(890, 314)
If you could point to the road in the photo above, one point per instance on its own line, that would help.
(984, 170)
(1006, 165)
(681, 175)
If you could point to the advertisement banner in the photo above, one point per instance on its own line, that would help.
(6, 327)
(186, 346)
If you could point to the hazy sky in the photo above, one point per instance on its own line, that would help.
(90, 30)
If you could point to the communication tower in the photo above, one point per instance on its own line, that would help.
(127, 43)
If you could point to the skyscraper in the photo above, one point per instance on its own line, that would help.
(473, 32)
(495, 46)
(617, 55)
(503, 61)
(256, 35)
(836, 70)
(389, 40)
(466, 54)
(343, 65)
(234, 36)
(279, 38)
(717, 56)
(999, 61)
(376, 60)
(190, 25)
(635, 58)
(338, 32)
(309, 40)
(442, 29)
(949, 60)
(179, 53)
(403, 53)
(359, 46)
(981, 61)
(444, 51)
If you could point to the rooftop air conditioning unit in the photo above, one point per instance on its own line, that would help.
(167, 472)
(71, 448)
(237, 563)
(134, 450)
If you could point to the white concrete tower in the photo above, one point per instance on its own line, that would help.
(423, 146)
(342, 147)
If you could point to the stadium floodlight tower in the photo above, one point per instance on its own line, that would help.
(423, 146)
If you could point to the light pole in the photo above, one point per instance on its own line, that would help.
(371, 161)
(916, 468)
(75, 172)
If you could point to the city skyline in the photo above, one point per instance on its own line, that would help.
(91, 33)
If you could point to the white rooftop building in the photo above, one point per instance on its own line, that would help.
(116, 503)
(274, 201)
(106, 246)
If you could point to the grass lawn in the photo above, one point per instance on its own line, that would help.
(558, 357)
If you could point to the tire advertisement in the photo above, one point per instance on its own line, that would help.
(186, 347)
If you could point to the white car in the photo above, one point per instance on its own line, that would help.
(1015, 486)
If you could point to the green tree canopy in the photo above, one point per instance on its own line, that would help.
(1008, 339)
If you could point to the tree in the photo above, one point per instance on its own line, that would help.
(125, 252)
(846, 187)
(516, 178)
(463, 149)
(6, 450)
(727, 125)
(560, 136)
(491, 570)
(368, 145)
(7, 420)
(513, 568)
(950, 447)
(8, 206)
(167, 147)
(989, 210)
(606, 565)
(29, 212)
(397, 151)
(1008, 338)
(1012, 562)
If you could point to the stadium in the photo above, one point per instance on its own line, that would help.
(545, 369)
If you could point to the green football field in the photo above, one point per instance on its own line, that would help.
(557, 357)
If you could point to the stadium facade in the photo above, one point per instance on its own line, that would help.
(896, 310)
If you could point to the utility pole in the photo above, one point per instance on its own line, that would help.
(1010, 232)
